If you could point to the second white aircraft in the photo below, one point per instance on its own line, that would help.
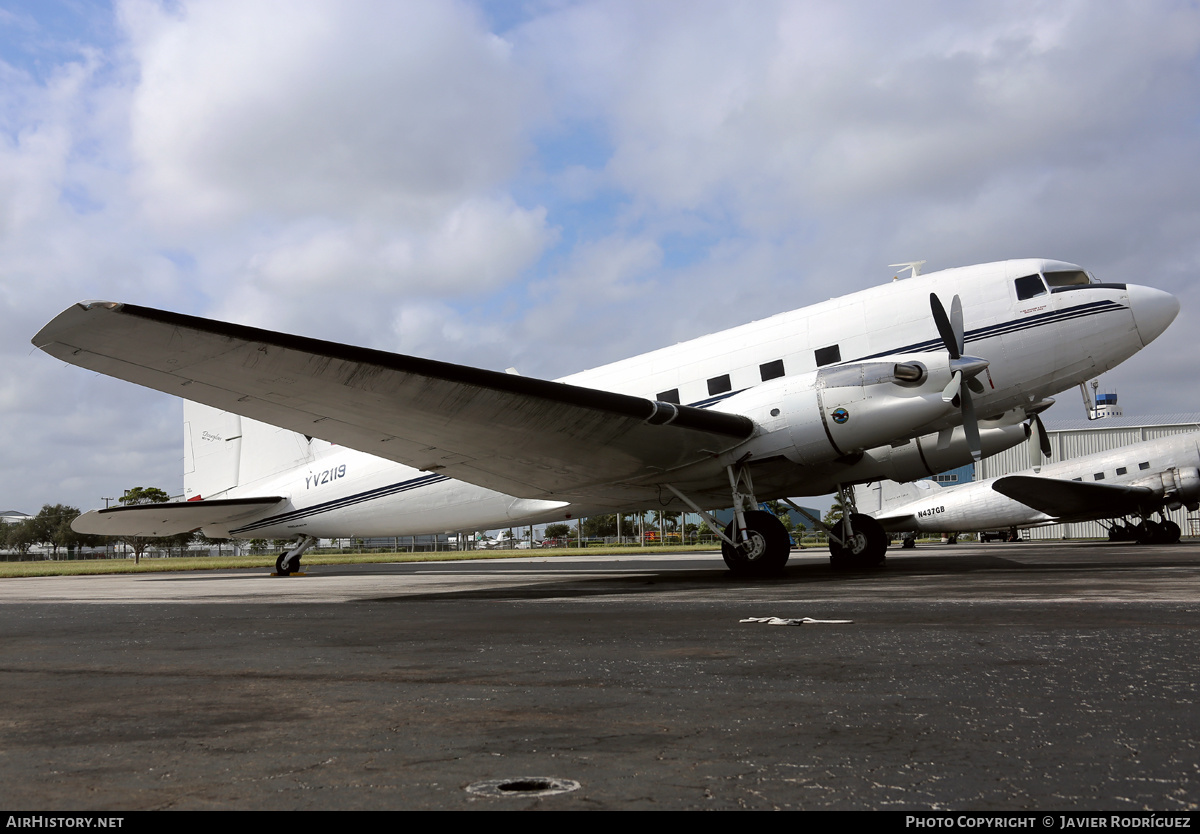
(1128, 486)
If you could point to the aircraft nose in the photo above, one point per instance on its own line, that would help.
(1153, 311)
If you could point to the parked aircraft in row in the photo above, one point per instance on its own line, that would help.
(1125, 486)
(877, 384)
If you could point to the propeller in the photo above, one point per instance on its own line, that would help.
(1035, 424)
(962, 368)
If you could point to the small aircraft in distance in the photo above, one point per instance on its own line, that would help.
(1131, 482)
(876, 384)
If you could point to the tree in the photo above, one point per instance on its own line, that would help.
(52, 527)
(557, 531)
(134, 497)
(836, 511)
(20, 536)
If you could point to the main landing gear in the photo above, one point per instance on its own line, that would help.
(865, 547)
(754, 542)
(762, 545)
(1146, 531)
(289, 561)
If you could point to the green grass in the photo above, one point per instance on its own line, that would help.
(83, 567)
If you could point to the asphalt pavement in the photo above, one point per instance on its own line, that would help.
(972, 677)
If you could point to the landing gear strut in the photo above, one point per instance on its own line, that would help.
(754, 543)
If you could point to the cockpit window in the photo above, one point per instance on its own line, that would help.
(1067, 278)
(1029, 286)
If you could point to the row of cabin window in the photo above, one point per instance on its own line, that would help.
(768, 371)
(1121, 470)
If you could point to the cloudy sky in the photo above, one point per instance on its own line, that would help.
(552, 185)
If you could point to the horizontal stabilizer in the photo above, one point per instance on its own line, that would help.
(518, 435)
(1071, 499)
(171, 518)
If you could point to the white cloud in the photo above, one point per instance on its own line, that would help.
(302, 108)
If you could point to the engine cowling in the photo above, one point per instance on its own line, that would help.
(850, 408)
(1176, 487)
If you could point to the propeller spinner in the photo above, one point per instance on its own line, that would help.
(961, 368)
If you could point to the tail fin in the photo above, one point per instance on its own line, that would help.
(879, 496)
(223, 452)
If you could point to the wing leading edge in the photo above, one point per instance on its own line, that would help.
(526, 437)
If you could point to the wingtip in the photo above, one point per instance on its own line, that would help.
(98, 304)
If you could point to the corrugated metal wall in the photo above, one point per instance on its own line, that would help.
(1076, 439)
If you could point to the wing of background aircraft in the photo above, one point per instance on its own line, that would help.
(1074, 499)
(525, 437)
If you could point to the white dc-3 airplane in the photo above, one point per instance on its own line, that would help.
(1132, 482)
(872, 385)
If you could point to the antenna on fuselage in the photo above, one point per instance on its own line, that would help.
(915, 266)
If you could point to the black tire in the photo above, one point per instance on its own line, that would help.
(768, 549)
(1170, 532)
(867, 548)
(909, 542)
(293, 568)
(1147, 532)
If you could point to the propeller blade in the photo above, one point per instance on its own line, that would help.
(944, 326)
(971, 426)
(1043, 438)
(952, 387)
(956, 323)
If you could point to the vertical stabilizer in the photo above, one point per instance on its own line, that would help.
(212, 451)
(223, 452)
(878, 496)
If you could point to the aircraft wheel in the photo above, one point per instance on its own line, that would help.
(767, 550)
(293, 568)
(909, 542)
(1170, 532)
(867, 547)
(1147, 532)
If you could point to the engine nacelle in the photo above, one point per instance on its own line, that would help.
(1176, 487)
(918, 458)
(851, 408)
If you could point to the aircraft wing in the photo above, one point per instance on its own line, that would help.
(525, 437)
(1070, 499)
(170, 518)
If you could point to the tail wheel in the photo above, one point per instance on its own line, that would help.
(765, 549)
(294, 567)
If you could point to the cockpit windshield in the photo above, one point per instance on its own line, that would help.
(1067, 278)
